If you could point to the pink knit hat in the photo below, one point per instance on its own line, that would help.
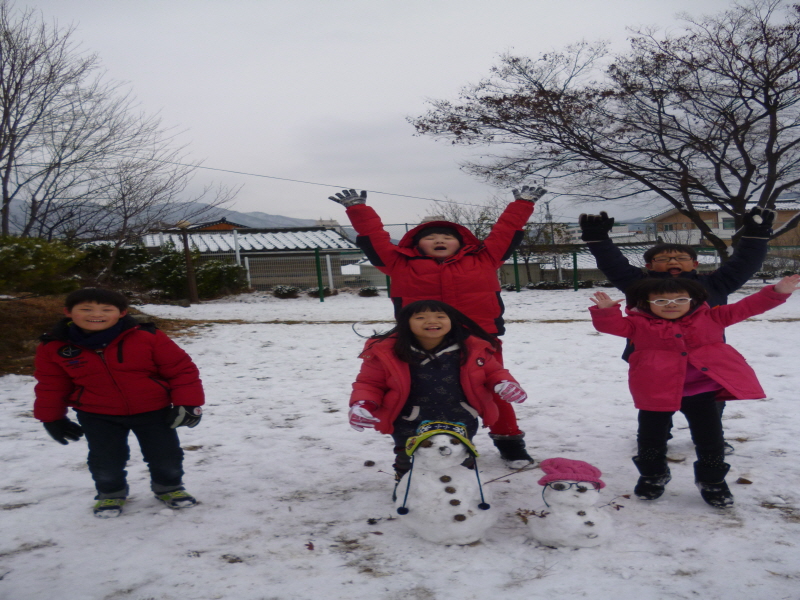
(565, 469)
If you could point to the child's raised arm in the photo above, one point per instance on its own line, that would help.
(603, 300)
(788, 285)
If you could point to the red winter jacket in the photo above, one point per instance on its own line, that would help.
(139, 371)
(657, 368)
(467, 280)
(386, 380)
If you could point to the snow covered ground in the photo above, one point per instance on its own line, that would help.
(289, 511)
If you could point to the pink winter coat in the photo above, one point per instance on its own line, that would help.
(386, 380)
(664, 348)
(466, 281)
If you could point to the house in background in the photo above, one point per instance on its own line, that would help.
(294, 256)
(673, 227)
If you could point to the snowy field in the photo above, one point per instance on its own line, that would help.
(289, 511)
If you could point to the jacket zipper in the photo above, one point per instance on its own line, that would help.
(102, 356)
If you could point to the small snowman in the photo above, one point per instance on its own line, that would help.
(440, 499)
(571, 519)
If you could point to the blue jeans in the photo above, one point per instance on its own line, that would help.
(107, 437)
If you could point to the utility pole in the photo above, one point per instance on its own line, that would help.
(556, 259)
(187, 253)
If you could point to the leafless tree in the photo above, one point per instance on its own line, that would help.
(708, 115)
(76, 151)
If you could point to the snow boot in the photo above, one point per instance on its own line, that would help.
(655, 474)
(709, 476)
(177, 499)
(512, 450)
(108, 508)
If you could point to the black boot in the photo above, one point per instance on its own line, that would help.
(709, 476)
(655, 474)
(512, 450)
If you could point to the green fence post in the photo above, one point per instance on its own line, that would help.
(388, 286)
(516, 271)
(575, 271)
(319, 275)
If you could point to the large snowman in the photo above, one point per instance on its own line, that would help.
(571, 518)
(440, 499)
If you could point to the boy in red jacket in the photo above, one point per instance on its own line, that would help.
(444, 261)
(119, 376)
(683, 363)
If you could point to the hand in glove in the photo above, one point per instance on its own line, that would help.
(758, 222)
(63, 430)
(510, 392)
(529, 193)
(180, 416)
(595, 228)
(349, 198)
(360, 417)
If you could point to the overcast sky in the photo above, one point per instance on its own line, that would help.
(319, 90)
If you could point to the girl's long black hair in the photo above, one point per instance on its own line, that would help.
(638, 293)
(408, 349)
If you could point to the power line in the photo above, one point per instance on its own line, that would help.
(328, 185)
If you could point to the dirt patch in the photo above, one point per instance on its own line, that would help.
(25, 320)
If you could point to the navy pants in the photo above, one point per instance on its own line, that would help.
(705, 424)
(107, 437)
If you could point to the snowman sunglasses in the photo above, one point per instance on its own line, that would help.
(563, 486)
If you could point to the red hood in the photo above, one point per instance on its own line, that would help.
(468, 238)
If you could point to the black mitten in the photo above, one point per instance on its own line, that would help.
(180, 416)
(595, 228)
(758, 223)
(63, 430)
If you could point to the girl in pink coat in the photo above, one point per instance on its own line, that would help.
(437, 364)
(682, 362)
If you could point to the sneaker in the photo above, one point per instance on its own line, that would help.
(717, 495)
(108, 508)
(177, 499)
(652, 488)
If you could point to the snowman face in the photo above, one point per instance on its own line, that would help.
(571, 493)
(441, 450)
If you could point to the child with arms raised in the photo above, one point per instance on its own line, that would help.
(436, 365)
(119, 376)
(444, 261)
(683, 363)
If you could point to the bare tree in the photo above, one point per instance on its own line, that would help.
(707, 116)
(75, 151)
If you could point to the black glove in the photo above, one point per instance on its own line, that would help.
(63, 430)
(349, 198)
(758, 222)
(595, 228)
(529, 193)
(179, 416)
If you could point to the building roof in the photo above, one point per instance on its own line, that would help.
(208, 224)
(276, 240)
(792, 204)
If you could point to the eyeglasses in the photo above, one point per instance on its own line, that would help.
(665, 301)
(682, 259)
(562, 486)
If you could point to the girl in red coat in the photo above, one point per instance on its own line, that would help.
(436, 365)
(682, 362)
(444, 261)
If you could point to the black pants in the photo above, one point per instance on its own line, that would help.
(702, 414)
(107, 437)
(705, 425)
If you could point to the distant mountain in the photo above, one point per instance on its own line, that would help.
(258, 220)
